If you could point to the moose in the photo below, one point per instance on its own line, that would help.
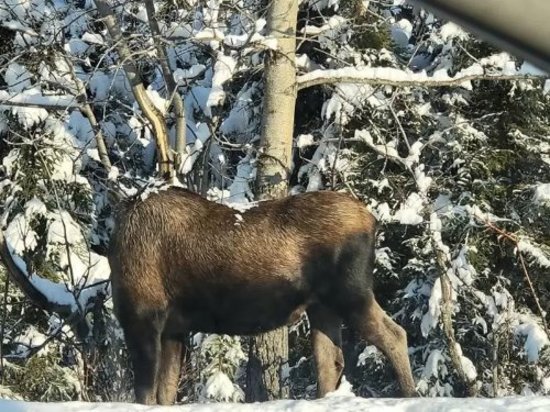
(182, 263)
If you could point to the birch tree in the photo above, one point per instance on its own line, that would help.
(269, 352)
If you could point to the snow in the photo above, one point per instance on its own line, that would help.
(431, 317)
(88, 270)
(542, 194)
(386, 149)
(240, 187)
(240, 120)
(370, 352)
(422, 181)
(401, 32)
(182, 75)
(536, 338)
(467, 364)
(450, 30)
(376, 74)
(462, 267)
(382, 212)
(55, 292)
(63, 229)
(34, 97)
(81, 128)
(158, 101)
(435, 365)
(18, 26)
(333, 23)
(240, 40)
(305, 140)
(17, 77)
(99, 85)
(409, 212)
(223, 71)
(30, 338)
(335, 402)
(76, 47)
(495, 65)
(93, 38)
(20, 235)
(543, 259)
(219, 386)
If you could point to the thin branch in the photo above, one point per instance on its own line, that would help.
(515, 240)
(86, 109)
(3, 326)
(447, 320)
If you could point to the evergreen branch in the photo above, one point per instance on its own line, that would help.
(3, 325)
(76, 319)
(442, 263)
(22, 280)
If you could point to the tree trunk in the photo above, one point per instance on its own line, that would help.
(269, 352)
(267, 357)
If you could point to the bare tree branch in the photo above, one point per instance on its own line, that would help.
(382, 76)
(171, 86)
(132, 73)
(53, 102)
(447, 320)
(86, 109)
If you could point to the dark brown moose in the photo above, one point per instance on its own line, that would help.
(181, 263)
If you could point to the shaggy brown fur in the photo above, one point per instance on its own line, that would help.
(181, 263)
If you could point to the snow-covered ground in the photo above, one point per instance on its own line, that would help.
(328, 404)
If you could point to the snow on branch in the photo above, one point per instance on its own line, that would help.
(40, 101)
(61, 301)
(400, 78)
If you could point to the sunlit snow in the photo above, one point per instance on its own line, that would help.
(332, 403)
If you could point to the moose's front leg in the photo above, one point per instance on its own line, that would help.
(169, 372)
(144, 346)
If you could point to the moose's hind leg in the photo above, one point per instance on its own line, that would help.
(354, 299)
(379, 329)
(327, 347)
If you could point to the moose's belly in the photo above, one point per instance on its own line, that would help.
(245, 309)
